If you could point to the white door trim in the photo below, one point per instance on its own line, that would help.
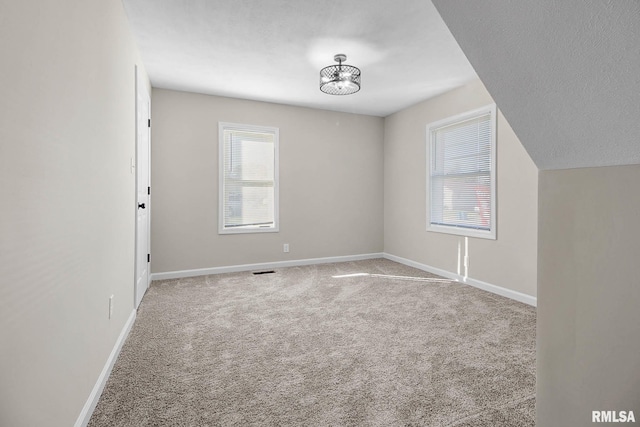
(142, 196)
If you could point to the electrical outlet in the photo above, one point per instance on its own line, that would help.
(110, 306)
(285, 248)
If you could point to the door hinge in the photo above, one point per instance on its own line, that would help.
(149, 123)
(149, 191)
(148, 257)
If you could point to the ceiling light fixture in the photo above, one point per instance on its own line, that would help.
(340, 79)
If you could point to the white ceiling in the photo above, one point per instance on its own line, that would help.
(273, 50)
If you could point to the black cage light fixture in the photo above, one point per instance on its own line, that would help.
(340, 79)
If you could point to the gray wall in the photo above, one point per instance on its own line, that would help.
(588, 315)
(67, 134)
(331, 183)
(509, 261)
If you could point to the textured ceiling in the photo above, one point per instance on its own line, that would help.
(565, 74)
(273, 50)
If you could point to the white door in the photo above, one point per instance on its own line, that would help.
(143, 189)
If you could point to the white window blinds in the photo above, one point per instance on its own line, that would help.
(248, 178)
(462, 174)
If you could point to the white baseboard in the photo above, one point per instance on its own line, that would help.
(260, 266)
(92, 401)
(515, 295)
(499, 290)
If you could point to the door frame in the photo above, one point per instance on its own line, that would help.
(141, 91)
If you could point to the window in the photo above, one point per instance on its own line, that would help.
(461, 174)
(248, 199)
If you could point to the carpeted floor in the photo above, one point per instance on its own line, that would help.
(305, 347)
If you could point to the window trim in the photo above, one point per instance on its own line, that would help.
(222, 126)
(431, 128)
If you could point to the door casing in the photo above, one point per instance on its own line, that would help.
(143, 185)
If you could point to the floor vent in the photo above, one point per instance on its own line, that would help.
(264, 272)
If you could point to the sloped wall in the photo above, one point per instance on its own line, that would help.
(565, 74)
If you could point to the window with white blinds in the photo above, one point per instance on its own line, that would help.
(248, 199)
(461, 174)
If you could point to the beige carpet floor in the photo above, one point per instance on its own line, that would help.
(366, 343)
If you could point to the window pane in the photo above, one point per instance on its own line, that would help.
(248, 174)
(461, 201)
(251, 157)
(461, 172)
(248, 206)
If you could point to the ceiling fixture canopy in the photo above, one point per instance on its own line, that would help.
(340, 79)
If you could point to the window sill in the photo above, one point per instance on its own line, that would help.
(461, 231)
(249, 230)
